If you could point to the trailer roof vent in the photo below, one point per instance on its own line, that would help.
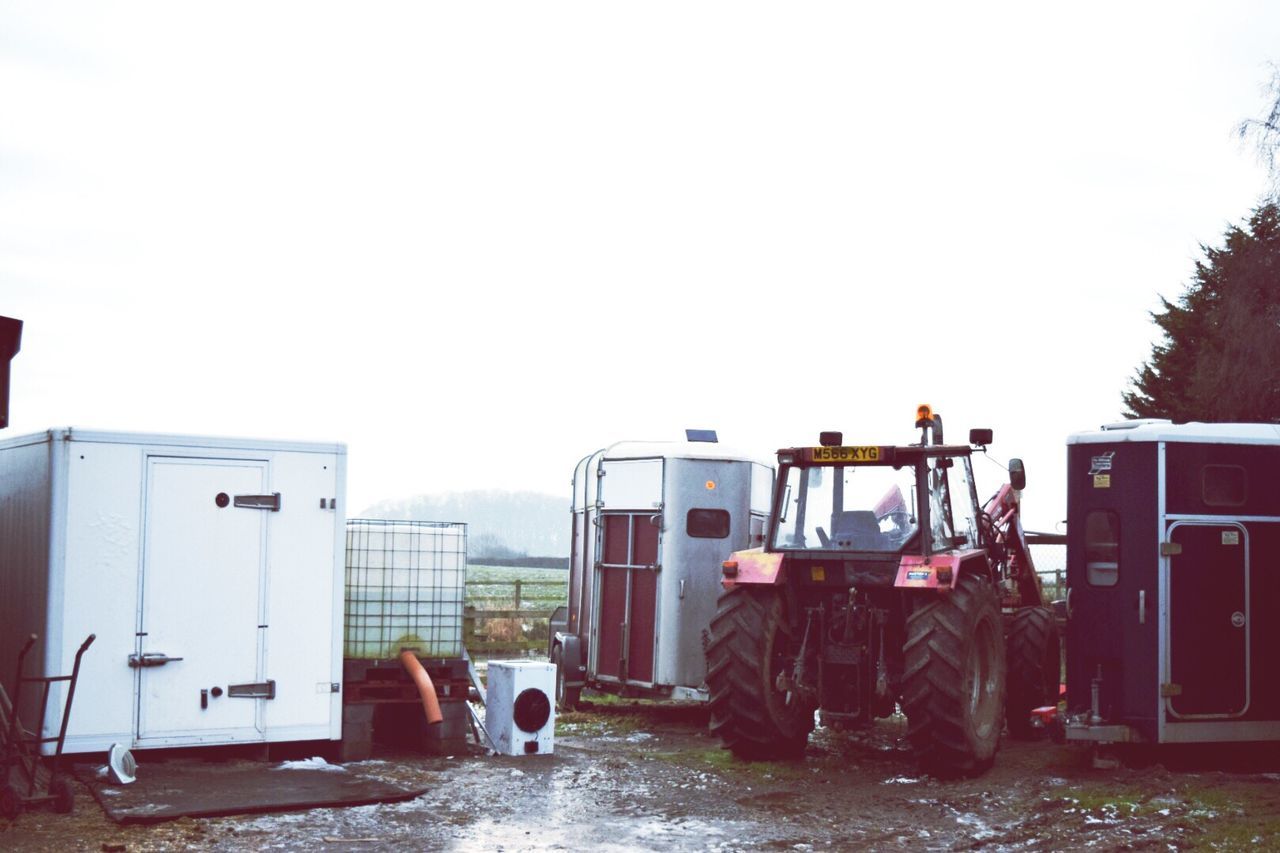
(707, 435)
(1134, 424)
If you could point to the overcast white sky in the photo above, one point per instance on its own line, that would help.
(478, 241)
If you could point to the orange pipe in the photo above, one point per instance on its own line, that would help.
(427, 690)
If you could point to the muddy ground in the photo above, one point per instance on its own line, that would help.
(628, 776)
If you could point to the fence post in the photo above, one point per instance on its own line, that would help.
(517, 593)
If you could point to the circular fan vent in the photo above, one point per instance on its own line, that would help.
(532, 710)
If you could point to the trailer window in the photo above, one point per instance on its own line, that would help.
(1102, 547)
(1223, 485)
(707, 524)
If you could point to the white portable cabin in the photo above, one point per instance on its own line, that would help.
(210, 570)
(652, 523)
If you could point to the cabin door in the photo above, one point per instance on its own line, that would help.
(200, 638)
(1208, 630)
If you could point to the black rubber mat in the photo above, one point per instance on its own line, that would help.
(168, 790)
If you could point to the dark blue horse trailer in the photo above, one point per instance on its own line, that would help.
(1173, 576)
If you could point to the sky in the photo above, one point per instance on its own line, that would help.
(476, 242)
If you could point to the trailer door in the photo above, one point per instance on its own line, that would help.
(628, 563)
(200, 635)
(628, 597)
(1208, 620)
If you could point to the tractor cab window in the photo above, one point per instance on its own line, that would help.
(952, 505)
(863, 508)
(940, 521)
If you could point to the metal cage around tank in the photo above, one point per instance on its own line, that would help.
(405, 588)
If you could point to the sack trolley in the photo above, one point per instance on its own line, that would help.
(29, 778)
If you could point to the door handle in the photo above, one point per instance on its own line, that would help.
(255, 690)
(271, 501)
(1142, 607)
(150, 659)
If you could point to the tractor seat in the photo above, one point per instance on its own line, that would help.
(857, 529)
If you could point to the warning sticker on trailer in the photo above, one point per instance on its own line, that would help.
(1231, 537)
(1099, 464)
(1102, 481)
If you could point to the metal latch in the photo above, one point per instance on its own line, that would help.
(256, 690)
(150, 659)
(1170, 549)
(271, 501)
(1168, 691)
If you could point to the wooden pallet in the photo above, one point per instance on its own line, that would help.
(370, 681)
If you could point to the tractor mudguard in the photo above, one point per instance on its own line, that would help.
(938, 571)
(559, 623)
(755, 566)
(571, 658)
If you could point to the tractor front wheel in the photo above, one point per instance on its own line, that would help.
(1034, 650)
(954, 680)
(755, 710)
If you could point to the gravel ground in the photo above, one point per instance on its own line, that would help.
(639, 776)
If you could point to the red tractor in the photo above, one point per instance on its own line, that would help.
(884, 584)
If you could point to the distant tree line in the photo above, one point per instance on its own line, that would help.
(500, 524)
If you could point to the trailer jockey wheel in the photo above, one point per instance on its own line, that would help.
(64, 797)
(532, 710)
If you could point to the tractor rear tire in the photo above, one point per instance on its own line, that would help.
(1034, 649)
(567, 698)
(752, 641)
(954, 679)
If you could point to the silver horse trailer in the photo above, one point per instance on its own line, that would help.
(652, 522)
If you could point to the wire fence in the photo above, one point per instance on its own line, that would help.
(1050, 560)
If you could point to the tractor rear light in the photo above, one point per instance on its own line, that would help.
(730, 568)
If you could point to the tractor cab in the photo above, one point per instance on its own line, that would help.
(881, 502)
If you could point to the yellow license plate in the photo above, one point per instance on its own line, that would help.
(845, 454)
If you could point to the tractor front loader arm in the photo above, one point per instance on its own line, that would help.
(1010, 542)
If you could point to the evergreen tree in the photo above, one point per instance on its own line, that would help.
(1220, 357)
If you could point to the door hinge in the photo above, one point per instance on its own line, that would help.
(1167, 691)
(256, 690)
(1170, 549)
(271, 501)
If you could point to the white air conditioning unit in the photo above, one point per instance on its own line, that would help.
(520, 710)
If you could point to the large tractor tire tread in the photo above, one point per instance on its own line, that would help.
(1034, 652)
(949, 735)
(743, 704)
